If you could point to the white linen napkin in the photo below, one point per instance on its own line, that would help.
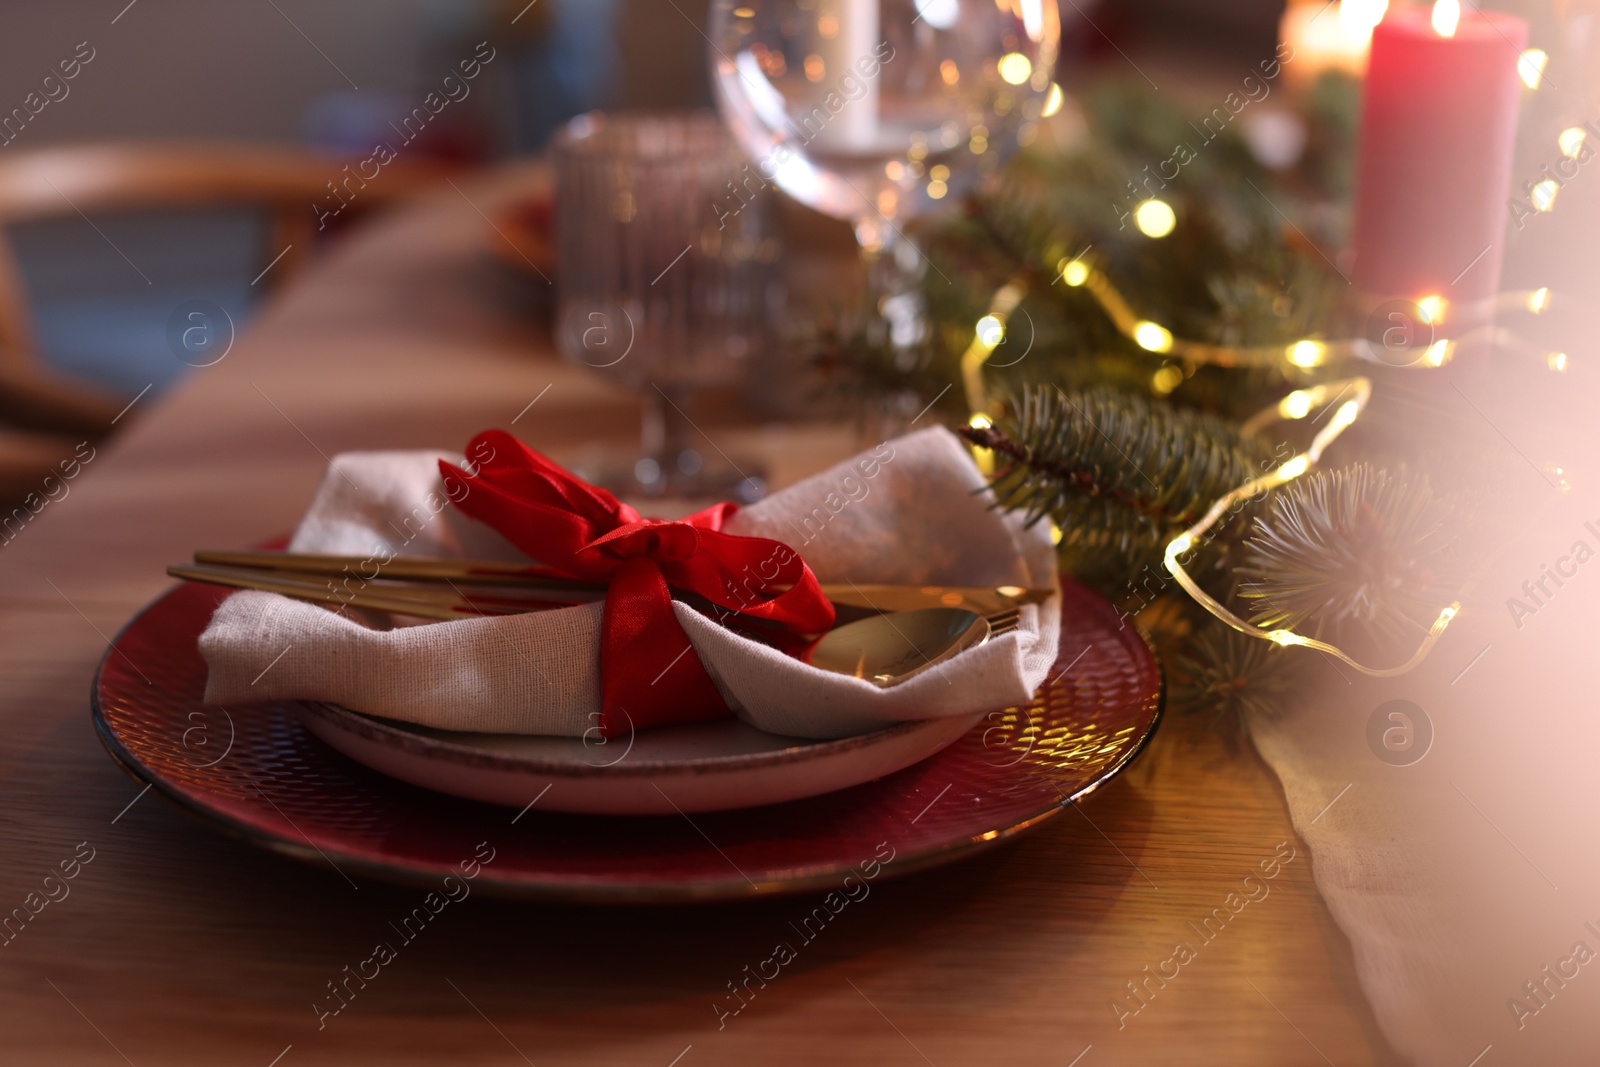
(1463, 869)
(911, 511)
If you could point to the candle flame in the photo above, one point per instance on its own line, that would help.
(1430, 309)
(1446, 17)
(1530, 67)
(1360, 16)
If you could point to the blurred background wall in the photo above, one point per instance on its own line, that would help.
(265, 69)
(342, 75)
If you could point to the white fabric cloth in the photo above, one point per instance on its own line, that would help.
(912, 511)
(1452, 835)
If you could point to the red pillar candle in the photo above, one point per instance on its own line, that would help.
(1434, 166)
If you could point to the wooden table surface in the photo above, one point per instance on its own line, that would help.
(178, 946)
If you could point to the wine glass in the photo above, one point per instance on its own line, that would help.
(874, 110)
(662, 289)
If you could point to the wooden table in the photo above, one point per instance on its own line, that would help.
(177, 946)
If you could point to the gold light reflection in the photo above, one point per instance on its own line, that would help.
(949, 71)
(982, 458)
(1053, 102)
(1166, 379)
(816, 70)
(1571, 142)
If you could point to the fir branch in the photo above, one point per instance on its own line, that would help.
(1116, 471)
(1236, 676)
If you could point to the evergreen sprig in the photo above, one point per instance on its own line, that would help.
(1117, 472)
(1232, 675)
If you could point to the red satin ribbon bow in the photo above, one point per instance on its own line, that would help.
(580, 531)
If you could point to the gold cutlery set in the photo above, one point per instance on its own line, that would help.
(907, 628)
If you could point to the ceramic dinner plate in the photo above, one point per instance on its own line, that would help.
(259, 773)
(706, 766)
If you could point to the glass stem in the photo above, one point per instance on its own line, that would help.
(667, 440)
(894, 268)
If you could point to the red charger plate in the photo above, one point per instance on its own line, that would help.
(255, 772)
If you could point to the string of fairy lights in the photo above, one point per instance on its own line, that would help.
(1156, 219)
(1297, 405)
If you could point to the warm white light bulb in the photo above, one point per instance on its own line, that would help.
(1155, 218)
(991, 331)
(1307, 353)
(1348, 412)
(1297, 405)
(1294, 468)
(1152, 337)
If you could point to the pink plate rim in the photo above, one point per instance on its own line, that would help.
(377, 728)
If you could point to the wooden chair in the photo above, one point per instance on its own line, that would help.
(86, 180)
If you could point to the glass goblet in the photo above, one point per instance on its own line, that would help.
(659, 289)
(873, 110)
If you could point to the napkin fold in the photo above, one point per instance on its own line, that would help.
(911, 511)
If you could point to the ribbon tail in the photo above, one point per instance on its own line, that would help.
(650, 675)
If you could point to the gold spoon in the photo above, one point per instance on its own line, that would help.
(889, 649)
